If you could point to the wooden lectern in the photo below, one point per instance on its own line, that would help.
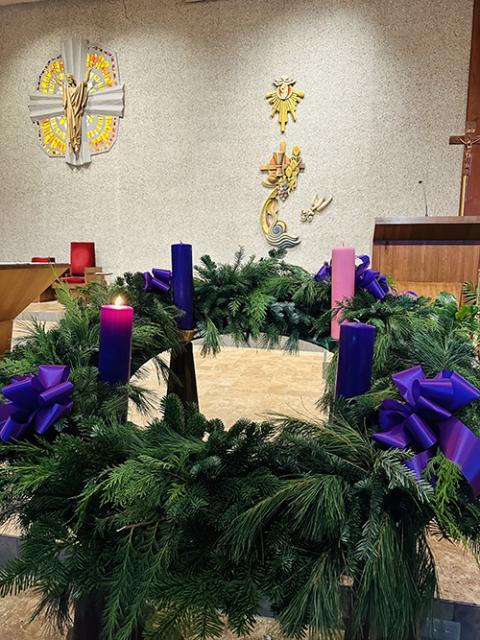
(428, 255)
(20, 284)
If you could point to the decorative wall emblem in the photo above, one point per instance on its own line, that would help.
(284, 99)
(282, 171)
(318, 204)
(78, 102)
(282, 177)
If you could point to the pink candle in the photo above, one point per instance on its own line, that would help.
(343, 282)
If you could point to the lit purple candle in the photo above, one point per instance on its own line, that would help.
(355, 358)
(182, 283)
(116, 324)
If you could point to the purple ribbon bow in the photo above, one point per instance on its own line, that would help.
(37, 400)
(324, 273)
(365, 278)
(370, 280)
(426, 421)
(160, 280)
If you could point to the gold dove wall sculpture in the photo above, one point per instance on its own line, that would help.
(284, 99)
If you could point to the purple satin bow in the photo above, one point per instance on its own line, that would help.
(160, 280)
(370, 280)
(324, 273)
(37, 400)
(365, 278)
(426, 421)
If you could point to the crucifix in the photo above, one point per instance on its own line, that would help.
(78, 90)
(470, 185)
(469, 139)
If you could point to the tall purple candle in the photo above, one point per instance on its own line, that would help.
(116, 324)
(355, 358)
(182, 283)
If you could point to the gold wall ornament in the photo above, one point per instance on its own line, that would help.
(78, 102)
(282, 177)
(284, 99)
(318, 204)
(75, 96)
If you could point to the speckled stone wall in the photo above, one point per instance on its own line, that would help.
(385, 85)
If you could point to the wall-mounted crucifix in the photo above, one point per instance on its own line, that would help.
(469, 140)
(470, 184)
(78, 102)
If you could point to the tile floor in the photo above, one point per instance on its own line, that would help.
(251, 383)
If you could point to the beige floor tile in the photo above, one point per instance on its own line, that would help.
(251, 383)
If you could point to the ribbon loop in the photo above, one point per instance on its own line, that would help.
(425, 421)
(418, 463)
(21, 392)
(37, 400)
(324, 273)
(370, 280)
(464, 392)
(440, 391)
(431, 410)
(51, 375)
(420, 432)
(397, 437)
(160, 281)
(404, 381)
(56, 394)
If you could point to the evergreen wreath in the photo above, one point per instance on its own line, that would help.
(185, 526)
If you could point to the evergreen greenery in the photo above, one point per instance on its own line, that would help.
(44, 477)
(267, 298)
(185, 525)
(74, 341)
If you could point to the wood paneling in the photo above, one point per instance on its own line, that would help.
(430, 289)
(428, 255)
(6, 328)
(20, 284)
(448, 228)
(428, 262)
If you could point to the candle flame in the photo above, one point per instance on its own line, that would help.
(118, 301)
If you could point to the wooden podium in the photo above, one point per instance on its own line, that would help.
(20, 284)
(428, 255)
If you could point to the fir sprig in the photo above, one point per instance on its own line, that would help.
(266, 298)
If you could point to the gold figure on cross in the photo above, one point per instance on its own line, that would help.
(75, 98)
(469, 139)
(284, 99)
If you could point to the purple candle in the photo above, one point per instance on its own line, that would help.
(355, 358)
(182, 283)
(116, 324)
